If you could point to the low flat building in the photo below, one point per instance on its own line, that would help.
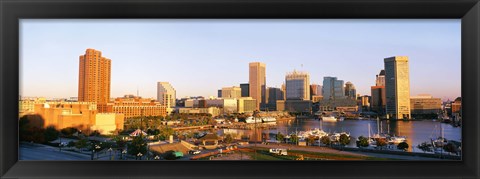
(300, 106)
(333, 104)
(214, 111)
(425, 104)
(133, 106)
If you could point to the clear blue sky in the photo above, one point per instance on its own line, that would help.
(198, 57)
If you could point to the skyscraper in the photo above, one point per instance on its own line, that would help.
(333, 88)
(397, 84)
(245, 90)
(297, 86)
(350, 90)
(274, 94)
(166, 94)
(94, 77)
(378, 100)
(257, 83)
(315, 90)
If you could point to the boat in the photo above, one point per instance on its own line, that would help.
(269, 119)
(314, 132)
(329, 119)
(397, 139)
(251, 120)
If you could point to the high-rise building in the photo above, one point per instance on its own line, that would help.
(397, 84)
(380, 79)
(274, 94)
(297, 86)
(219, 95)
(350, 90)
(231, 92)
(333, 88)
(245, 89)
(94, 77)
(284, 91)
(315, 90)
(166, 94)
(257, 83)
(378, 100)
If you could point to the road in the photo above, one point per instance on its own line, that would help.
(42, 152)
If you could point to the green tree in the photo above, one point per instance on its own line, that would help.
(325, 140)
(294, 139)
(280, 137)
(344, 139)
(228, 139)
(71, 144)
(450, 147)
(425, 147)
(381, 142)
(82, 143)
(362, 142)
(311, 140)
(402, 146)
(51, 133)
(138, 145)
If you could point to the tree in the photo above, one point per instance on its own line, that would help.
(228, 138)
(402, 146)
(311, 140)
(68, 132)
(51, 133)
(381, 142)
(325, 140)
(294, 139)
(344, 139)
(71, 144)
(362, 142)
(138, 145)
(169, 155)
(424, 146)
(280, 137)
(82, 143)
(450, 147)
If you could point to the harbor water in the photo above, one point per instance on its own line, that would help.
(417, 131)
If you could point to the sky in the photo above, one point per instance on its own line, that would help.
(198, 57)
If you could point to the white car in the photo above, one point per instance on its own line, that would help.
(195, 152)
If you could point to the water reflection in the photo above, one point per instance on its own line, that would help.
(415, 131)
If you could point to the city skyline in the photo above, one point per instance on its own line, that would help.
(230, 66)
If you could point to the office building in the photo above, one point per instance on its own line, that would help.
(315, 90)
(397, 85)
(257, 83)
(94, 77)
(274, 94)
(231, 92)
(219, 93)
(297, 85)
(425, 104)
(380, 78)
(246, 105)
(166, 94)
(333, 88)
(134, 106)
(378, 99)
(245, 89)
(350, 90)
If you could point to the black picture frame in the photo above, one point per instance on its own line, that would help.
(13, 10)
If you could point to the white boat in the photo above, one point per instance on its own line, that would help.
(315, 132)
(269, 119)
(329, 119)
(397, 139)
(251, 120)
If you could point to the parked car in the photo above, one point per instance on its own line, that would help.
(195, 152)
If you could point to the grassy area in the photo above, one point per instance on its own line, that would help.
(293, 154)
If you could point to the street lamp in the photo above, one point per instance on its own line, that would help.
(139, 155)
(123, 153)
(97, 147)
(156, 157)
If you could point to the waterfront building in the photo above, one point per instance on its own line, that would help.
(134, 106)
(365, 102)
(230, 105)
(332, 105)
(316, 99)
(27, 105)
(333, 88)
(457, 105)
(425, 104)
(274, 94)
(246, 105)
(94, 77)
(166, 94)
(231, 92)
(257, 83)
(350, 90)
(245, 89)
(299, 106)
(297, 85)
(214, 111)
(378, 99)
(80, 115)
(397, 85)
